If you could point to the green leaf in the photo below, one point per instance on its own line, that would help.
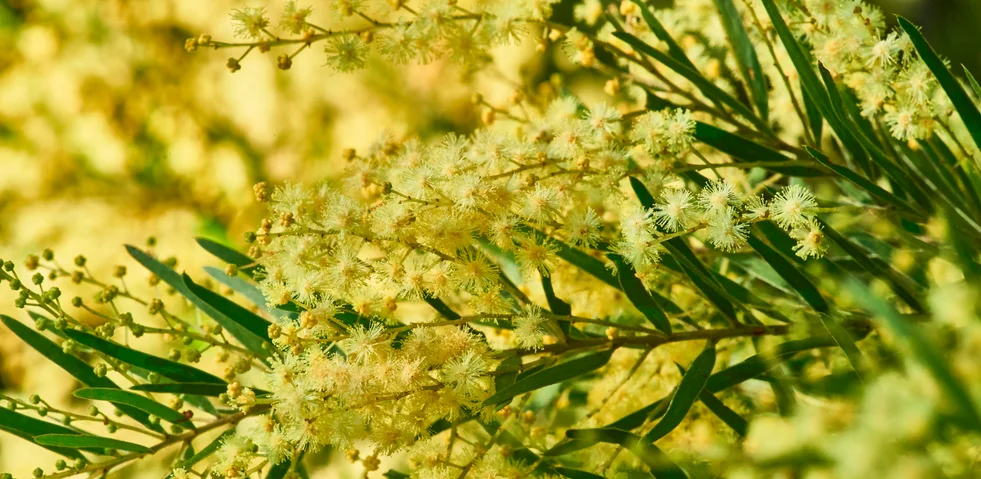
(740, 148)
(208, 450)
(789, 272)
(745, 53)
(693, 268)
(167, 275)
(845, 341)
(922, 348)
(28, 428)
(576, 257)
(903, 287)
(440, 307)
(556, 305)
(814, 118)
(250, 329)
(685, 394)
(553, 375)
(638, 294)
(661, 466)
(246, 288)
(204, 301)
(229, 255)
(79, 441)
(504, 380)
(119, 396)
(77, 368)
(849, 132)
(658, 30)
(164, 367)
(958, 97)
(278, 471)
(809, 80)
(972, 81)
(867, 185)
(576, 473)
(197, 389)
(734, 375)
(724, 413)
(706, 87)
(754, 366)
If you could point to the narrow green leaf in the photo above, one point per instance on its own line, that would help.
(724, 413)
(958, 97)
(750, 368)
(658, 30)
(850, 132)
(176, 281)
(903, 287)
(789, 272)
(661, 466)
(745, 53)
(556, 305)
(119, 396)
(28, 428)
(577, 258)
(972, 81)
(638, 294)
(278, 471)
(552, 375)
(576, 473)
(754, 366)
(440, 307)
(167, 275)
(197, 389)
(845, 341)
(246, 288)
(511, 366)
(814, 118)
(228, 255)
(706, 87)
(809, 80)
(393, 474)
(923, 349)
(79, 441)
(164, 367)
(208, 450)
(249, 329)
(685, 395)
(693, 268)
(867, 185)
(740, 148)
(74, 366)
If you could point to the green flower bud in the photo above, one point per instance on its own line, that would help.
(100, 370)
(37, 278)
(79, 464)
(61, 465)
(80, 261)
(77, 302)
(111, 428)
(35, 399)
(174, 354)
(38, 472)
(15, 284)
(153, 377)
(20, 303)
(93, 411)
(47, 254)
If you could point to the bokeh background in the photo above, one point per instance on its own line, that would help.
(111, 132)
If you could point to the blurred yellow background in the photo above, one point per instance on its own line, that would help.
(111, 132)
